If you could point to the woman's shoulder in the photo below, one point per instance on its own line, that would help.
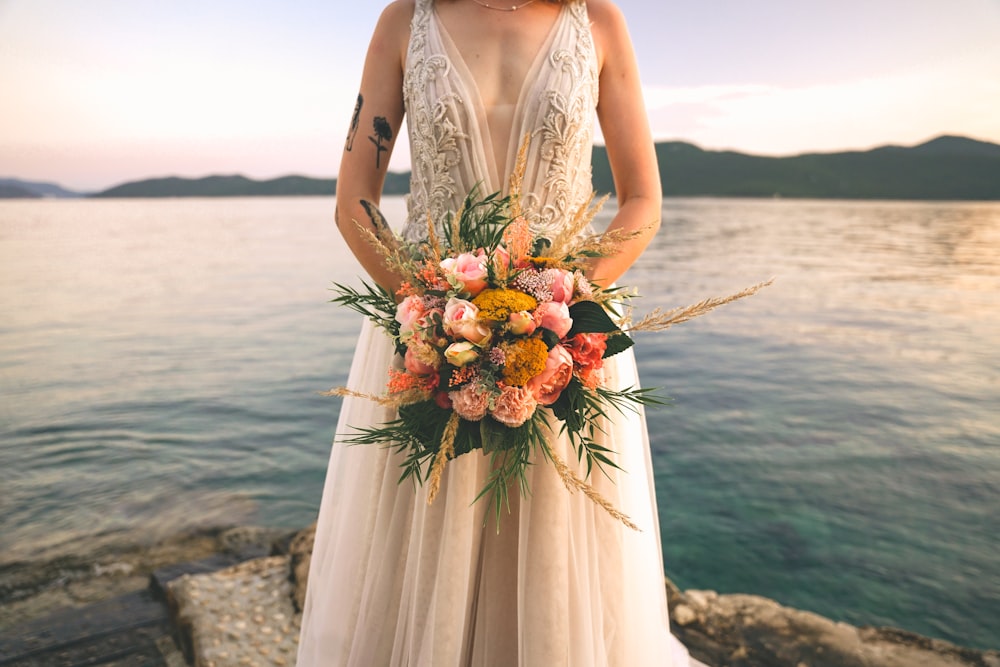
(607, 24)
(393, 26)
(398, 11)
(605, 14)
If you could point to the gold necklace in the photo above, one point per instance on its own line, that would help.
(503, 9)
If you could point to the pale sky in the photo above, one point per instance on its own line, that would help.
(100, 92)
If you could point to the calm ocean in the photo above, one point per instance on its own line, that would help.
(833, 443)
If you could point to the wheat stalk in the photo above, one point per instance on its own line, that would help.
(574, 483)
(566, 242)
(445, 452)
(517, 176)
(659, 320)
(393, 256)
(396, 400)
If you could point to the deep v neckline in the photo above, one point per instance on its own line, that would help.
(474, 95)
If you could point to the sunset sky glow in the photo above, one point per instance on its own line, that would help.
(108, 91)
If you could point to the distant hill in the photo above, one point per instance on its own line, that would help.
(944, 168)
(948, 167)
(10, 191)
(13, 188)
(221, 186)
(241, 186)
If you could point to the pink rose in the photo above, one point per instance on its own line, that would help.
(562, 285)
(521, 323)
(554, 316)
(467, 271)
(469, 402)
(547, 385)
(460, 321)
(408, 312)
(514, 406)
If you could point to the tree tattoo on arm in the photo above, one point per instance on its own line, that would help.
(354, 124)
(382, 133)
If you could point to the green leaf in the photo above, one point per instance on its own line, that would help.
(617, 342)
(494, 435)
(549, 337)
(590, 317)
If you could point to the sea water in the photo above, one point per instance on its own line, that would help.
(833, 442)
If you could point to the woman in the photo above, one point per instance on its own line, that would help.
(394, 581)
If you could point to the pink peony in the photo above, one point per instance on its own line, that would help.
(469, 402)
(562, 285)
(554, 316)
(467, 271)
(460, 321)
(547, 385)
(521, 323)
(514, 406)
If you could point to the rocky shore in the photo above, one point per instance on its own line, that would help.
(231, 597)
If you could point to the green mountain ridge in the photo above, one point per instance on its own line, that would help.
(944, 168)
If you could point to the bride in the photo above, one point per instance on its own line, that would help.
(393, 580)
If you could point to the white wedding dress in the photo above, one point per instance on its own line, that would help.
(396, 582)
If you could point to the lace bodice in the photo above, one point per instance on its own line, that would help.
(450, 146)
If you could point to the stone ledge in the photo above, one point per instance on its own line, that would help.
(239, 616)
(752, 631)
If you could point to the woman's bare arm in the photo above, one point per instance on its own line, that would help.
(631, 152)
(374, 127)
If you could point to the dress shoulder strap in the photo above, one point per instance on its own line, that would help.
(421, 14)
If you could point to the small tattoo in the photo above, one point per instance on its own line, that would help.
(381, 225)
(354, 124)
(382, 133)
(375, 215)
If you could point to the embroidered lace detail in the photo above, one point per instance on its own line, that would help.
(447, 145)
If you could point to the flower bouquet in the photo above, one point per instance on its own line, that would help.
(502, 340)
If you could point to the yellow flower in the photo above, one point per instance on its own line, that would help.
(545, 262)
(525, 358)
(498, 304)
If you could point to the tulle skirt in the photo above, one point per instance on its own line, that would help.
(395, 581)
